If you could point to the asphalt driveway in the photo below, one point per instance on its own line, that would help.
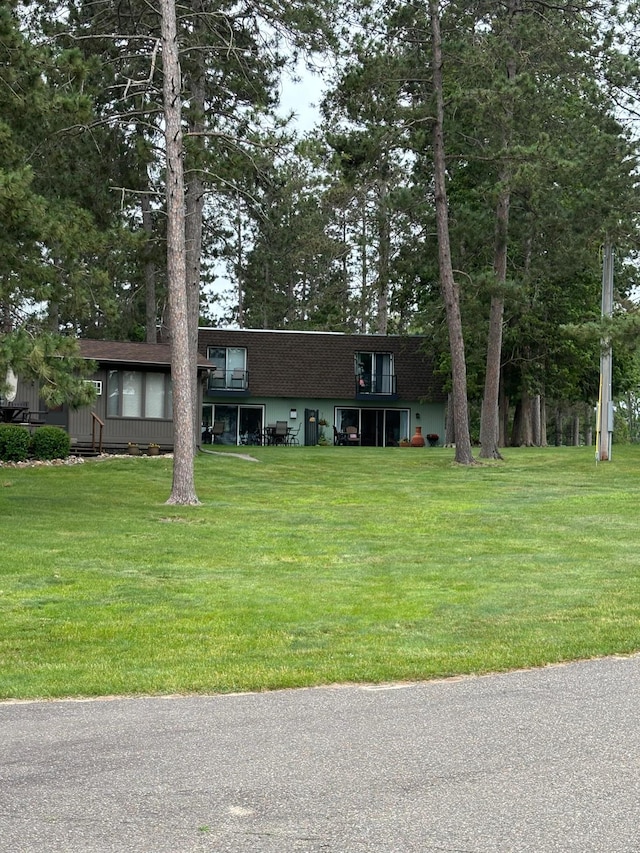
(543, 760)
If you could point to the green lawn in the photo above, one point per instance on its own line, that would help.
(312, 566)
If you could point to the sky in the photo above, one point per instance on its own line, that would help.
(302, 98)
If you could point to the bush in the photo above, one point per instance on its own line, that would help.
(621, 432)
(51, 442)
(15, 443)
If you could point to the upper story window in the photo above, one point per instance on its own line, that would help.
(375, 373)
(134, 394)
(229, 369)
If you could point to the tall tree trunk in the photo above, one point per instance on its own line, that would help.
(516, 426)
(183, 487)
(576, 429)
(447, 283)
(384, 250)
(526, 421)
(536, 421)
(489, 427)
(151, 317)
(240, 263)
(588, 424)
(364, 271)
(503, 419)
(558, 426)
(489, 420)
(194, 205)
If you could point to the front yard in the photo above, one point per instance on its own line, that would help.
(313, 565)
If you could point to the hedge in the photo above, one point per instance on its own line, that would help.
(47, 442)
(15, 443)
(50, 442)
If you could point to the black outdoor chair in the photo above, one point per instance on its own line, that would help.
(280, 432)
(217, 430)
(292, 437)
(339, 438)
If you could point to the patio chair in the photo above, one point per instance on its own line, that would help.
(216, 378)
(237, 378)
(292, 437)
(339, 438)
(353, 436)
(280, 432)
(217, 430)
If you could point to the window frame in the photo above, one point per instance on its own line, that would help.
(117, 375)
(376, 381)
(226, 359)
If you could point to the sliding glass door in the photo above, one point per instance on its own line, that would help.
(377, 427)
(241, 424)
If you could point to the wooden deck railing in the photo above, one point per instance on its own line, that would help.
(95, 421)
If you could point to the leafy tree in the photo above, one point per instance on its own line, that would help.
(538, 119)
(47, 234)
(447, 281)
(53, 361)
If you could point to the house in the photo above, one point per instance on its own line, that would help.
(133, 397)
(383, 386)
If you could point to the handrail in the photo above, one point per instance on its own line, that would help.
(234, 379)
(380, 383)
(96, 419)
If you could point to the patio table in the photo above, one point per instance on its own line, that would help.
(12, 412)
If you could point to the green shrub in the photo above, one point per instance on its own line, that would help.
(50, 442)
(621, 432)
(15, 442)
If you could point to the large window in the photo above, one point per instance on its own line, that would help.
(377, 427)
(375, 373)
(229, 370)
(133, 394)
(241, 424)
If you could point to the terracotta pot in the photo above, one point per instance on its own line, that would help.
(418, 438)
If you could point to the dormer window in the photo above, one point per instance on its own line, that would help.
(229, 368)
(374, 373)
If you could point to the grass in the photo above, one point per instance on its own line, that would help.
(313, 565)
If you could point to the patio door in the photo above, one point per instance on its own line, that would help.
(377, 427)
(372, 427)
(242, 424)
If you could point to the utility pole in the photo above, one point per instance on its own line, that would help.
(604, 425)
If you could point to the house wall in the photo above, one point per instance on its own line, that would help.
(285, 370)
(318, 371)
(429, 416)
(311, 365)
(118, 432)
(28, 392)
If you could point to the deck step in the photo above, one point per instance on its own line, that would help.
(85, 452)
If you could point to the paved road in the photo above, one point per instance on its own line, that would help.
(545, 760)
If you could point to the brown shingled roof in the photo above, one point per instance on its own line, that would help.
(130, 352)
(321, 364)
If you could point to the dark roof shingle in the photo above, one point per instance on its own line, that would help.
(322, 364)
(130, 352)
